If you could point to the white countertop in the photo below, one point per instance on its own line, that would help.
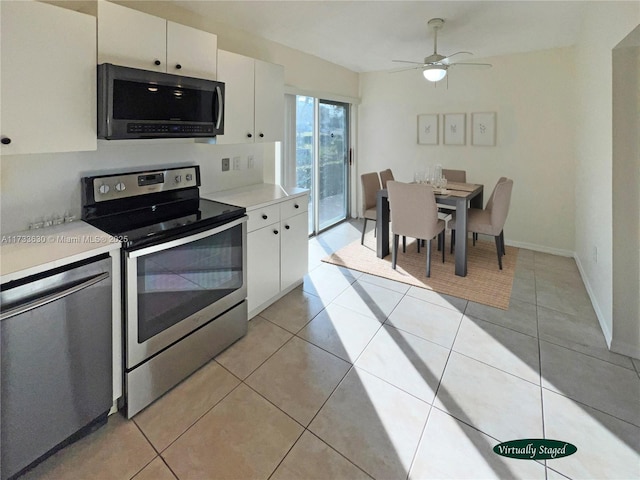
(36, 251)
(254, 196)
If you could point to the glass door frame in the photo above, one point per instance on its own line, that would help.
(346, 169)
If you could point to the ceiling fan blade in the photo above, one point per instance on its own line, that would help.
(448, 62)
(404, 69)
(407, 61)
(483, 65)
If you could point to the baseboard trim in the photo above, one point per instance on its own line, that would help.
(608, 335)
(540, 248)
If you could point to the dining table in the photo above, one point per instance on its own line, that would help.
(456, 196)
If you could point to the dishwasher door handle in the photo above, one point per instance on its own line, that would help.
(12, 312)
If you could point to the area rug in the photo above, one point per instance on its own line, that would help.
(485, 283)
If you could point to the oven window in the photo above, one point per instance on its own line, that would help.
(176, 283)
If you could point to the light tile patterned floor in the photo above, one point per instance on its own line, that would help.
(352, 377)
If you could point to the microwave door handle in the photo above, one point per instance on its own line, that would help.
(220, 106)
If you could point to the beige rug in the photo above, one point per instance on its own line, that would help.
(485, 283)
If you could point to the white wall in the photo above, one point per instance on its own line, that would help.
(533, 97)
(39, 186)
(605, 25)
(626, 199)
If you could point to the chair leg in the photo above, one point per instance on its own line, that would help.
(474, 236)
(428, 258)
(375, 228)
(418, 242)
(440, 245)
(453, 241)
(404, 244)
(504, 252)
(394, 251)
(364, 228)
(499, 250)
(441, 234)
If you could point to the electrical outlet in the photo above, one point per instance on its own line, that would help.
(250, 163)
(236, 163)
(225, 164)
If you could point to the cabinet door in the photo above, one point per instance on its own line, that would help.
(236, 71)
(294, 250)
(48, 82)
(269, 103)
(131, 38)
(191, 52)
(263, 265)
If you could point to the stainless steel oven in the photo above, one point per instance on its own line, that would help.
(184, 274)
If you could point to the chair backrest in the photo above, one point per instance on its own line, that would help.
(370, 187)
(489, 205)
(501, 202)
(385, 176)
(414, 209)
(459, 176)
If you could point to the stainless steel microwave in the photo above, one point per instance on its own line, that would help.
(134, 103)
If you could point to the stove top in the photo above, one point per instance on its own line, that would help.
(144, 208)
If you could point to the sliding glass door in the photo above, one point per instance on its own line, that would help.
(321, 131)
(332, 165)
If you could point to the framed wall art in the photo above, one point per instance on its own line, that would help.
(454, 128)
(428, 129)
(483, 129)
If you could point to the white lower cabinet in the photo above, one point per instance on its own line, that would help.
(277, 251)
(263, 265)
(294, 250)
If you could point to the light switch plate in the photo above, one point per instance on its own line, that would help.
(225, 164)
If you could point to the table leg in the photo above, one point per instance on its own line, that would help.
(382, 225)
(461, 237)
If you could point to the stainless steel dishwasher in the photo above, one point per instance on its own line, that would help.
(56, 352)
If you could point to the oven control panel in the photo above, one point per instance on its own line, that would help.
(112, 187)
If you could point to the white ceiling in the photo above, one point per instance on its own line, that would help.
(365, 35)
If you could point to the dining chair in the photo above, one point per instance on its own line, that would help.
(414, 215)
(488, 206)
(490, 221)
(370, 186)
(459, 176)
(385, 176)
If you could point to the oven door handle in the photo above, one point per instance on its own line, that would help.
(185, 240)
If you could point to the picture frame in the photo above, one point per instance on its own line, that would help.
(428, 129)
(483, 129)
(453, 130)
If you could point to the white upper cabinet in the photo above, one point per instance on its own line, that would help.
(48, 81)
(254, 99)
(236, 71)
(269, 102)
(135, 39)
(191, 52)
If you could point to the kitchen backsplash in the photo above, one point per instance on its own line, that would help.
(37, 188)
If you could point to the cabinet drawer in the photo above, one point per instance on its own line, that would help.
(261, 217)
(294, 206)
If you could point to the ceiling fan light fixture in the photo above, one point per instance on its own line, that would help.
(434, 73)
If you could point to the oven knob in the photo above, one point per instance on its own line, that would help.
(120, 187)
(178, 178)
(189, 177)
(104, 189)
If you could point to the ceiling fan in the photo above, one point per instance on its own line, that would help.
(435, 66)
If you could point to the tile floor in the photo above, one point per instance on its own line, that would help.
(352, 377)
